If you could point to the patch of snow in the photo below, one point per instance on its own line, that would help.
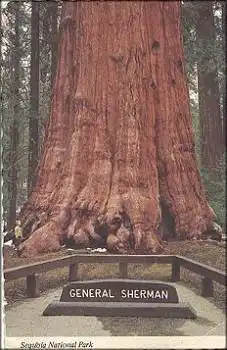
(5, 3)
(217, 227)
(18, 210)
(89, 250)
(9, 243)
(98, 250)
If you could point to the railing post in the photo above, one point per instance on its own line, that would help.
(207, 287)
(123, 270)
(175, 270)
(33, 286)
(73, 272)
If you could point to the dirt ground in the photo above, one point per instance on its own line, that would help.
(201, 251)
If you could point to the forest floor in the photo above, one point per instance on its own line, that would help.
(201, 251)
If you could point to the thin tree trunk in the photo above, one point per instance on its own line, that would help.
(209, 94)
(119, 145)
(1, 34)
(54, 37)
(14, 133)
(223, 4)
(34, 99)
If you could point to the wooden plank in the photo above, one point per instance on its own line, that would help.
(207, 287)
(175, 270)
(129, 259)
(33, 286)
(73, 272)
(40, 267)
(123, 270)
(203, 270)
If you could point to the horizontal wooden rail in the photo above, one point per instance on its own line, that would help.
(32, 271)
(202, 269)
(44, 266)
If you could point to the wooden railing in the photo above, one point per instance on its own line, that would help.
(209, 274)
(32, 271)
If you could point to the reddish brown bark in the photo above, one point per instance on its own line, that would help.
(119, 139)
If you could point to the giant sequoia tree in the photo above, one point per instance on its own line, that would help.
(118, 166)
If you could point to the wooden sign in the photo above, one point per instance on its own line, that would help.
(120, 297)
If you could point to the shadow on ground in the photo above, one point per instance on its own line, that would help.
(138, 326)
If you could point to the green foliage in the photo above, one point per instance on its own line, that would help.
(215, 182)
(23, 51)
(19, 158)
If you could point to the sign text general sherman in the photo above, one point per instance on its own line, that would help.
(125, 293)
(120, 290)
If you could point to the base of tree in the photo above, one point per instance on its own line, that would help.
(114, 230)
(85, 228)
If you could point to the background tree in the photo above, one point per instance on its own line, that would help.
(24, 51)
(223, 90)
(48, 57)
(13, 63)
(210, 53)
(34, 117)
(54, 38)
(212, 146)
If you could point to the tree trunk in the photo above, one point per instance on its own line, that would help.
(212, 143)
(119, 144)
(34, 116)
(54, 36)
(14, 132)
(223, 4)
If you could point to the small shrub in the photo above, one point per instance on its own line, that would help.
(214, 182)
